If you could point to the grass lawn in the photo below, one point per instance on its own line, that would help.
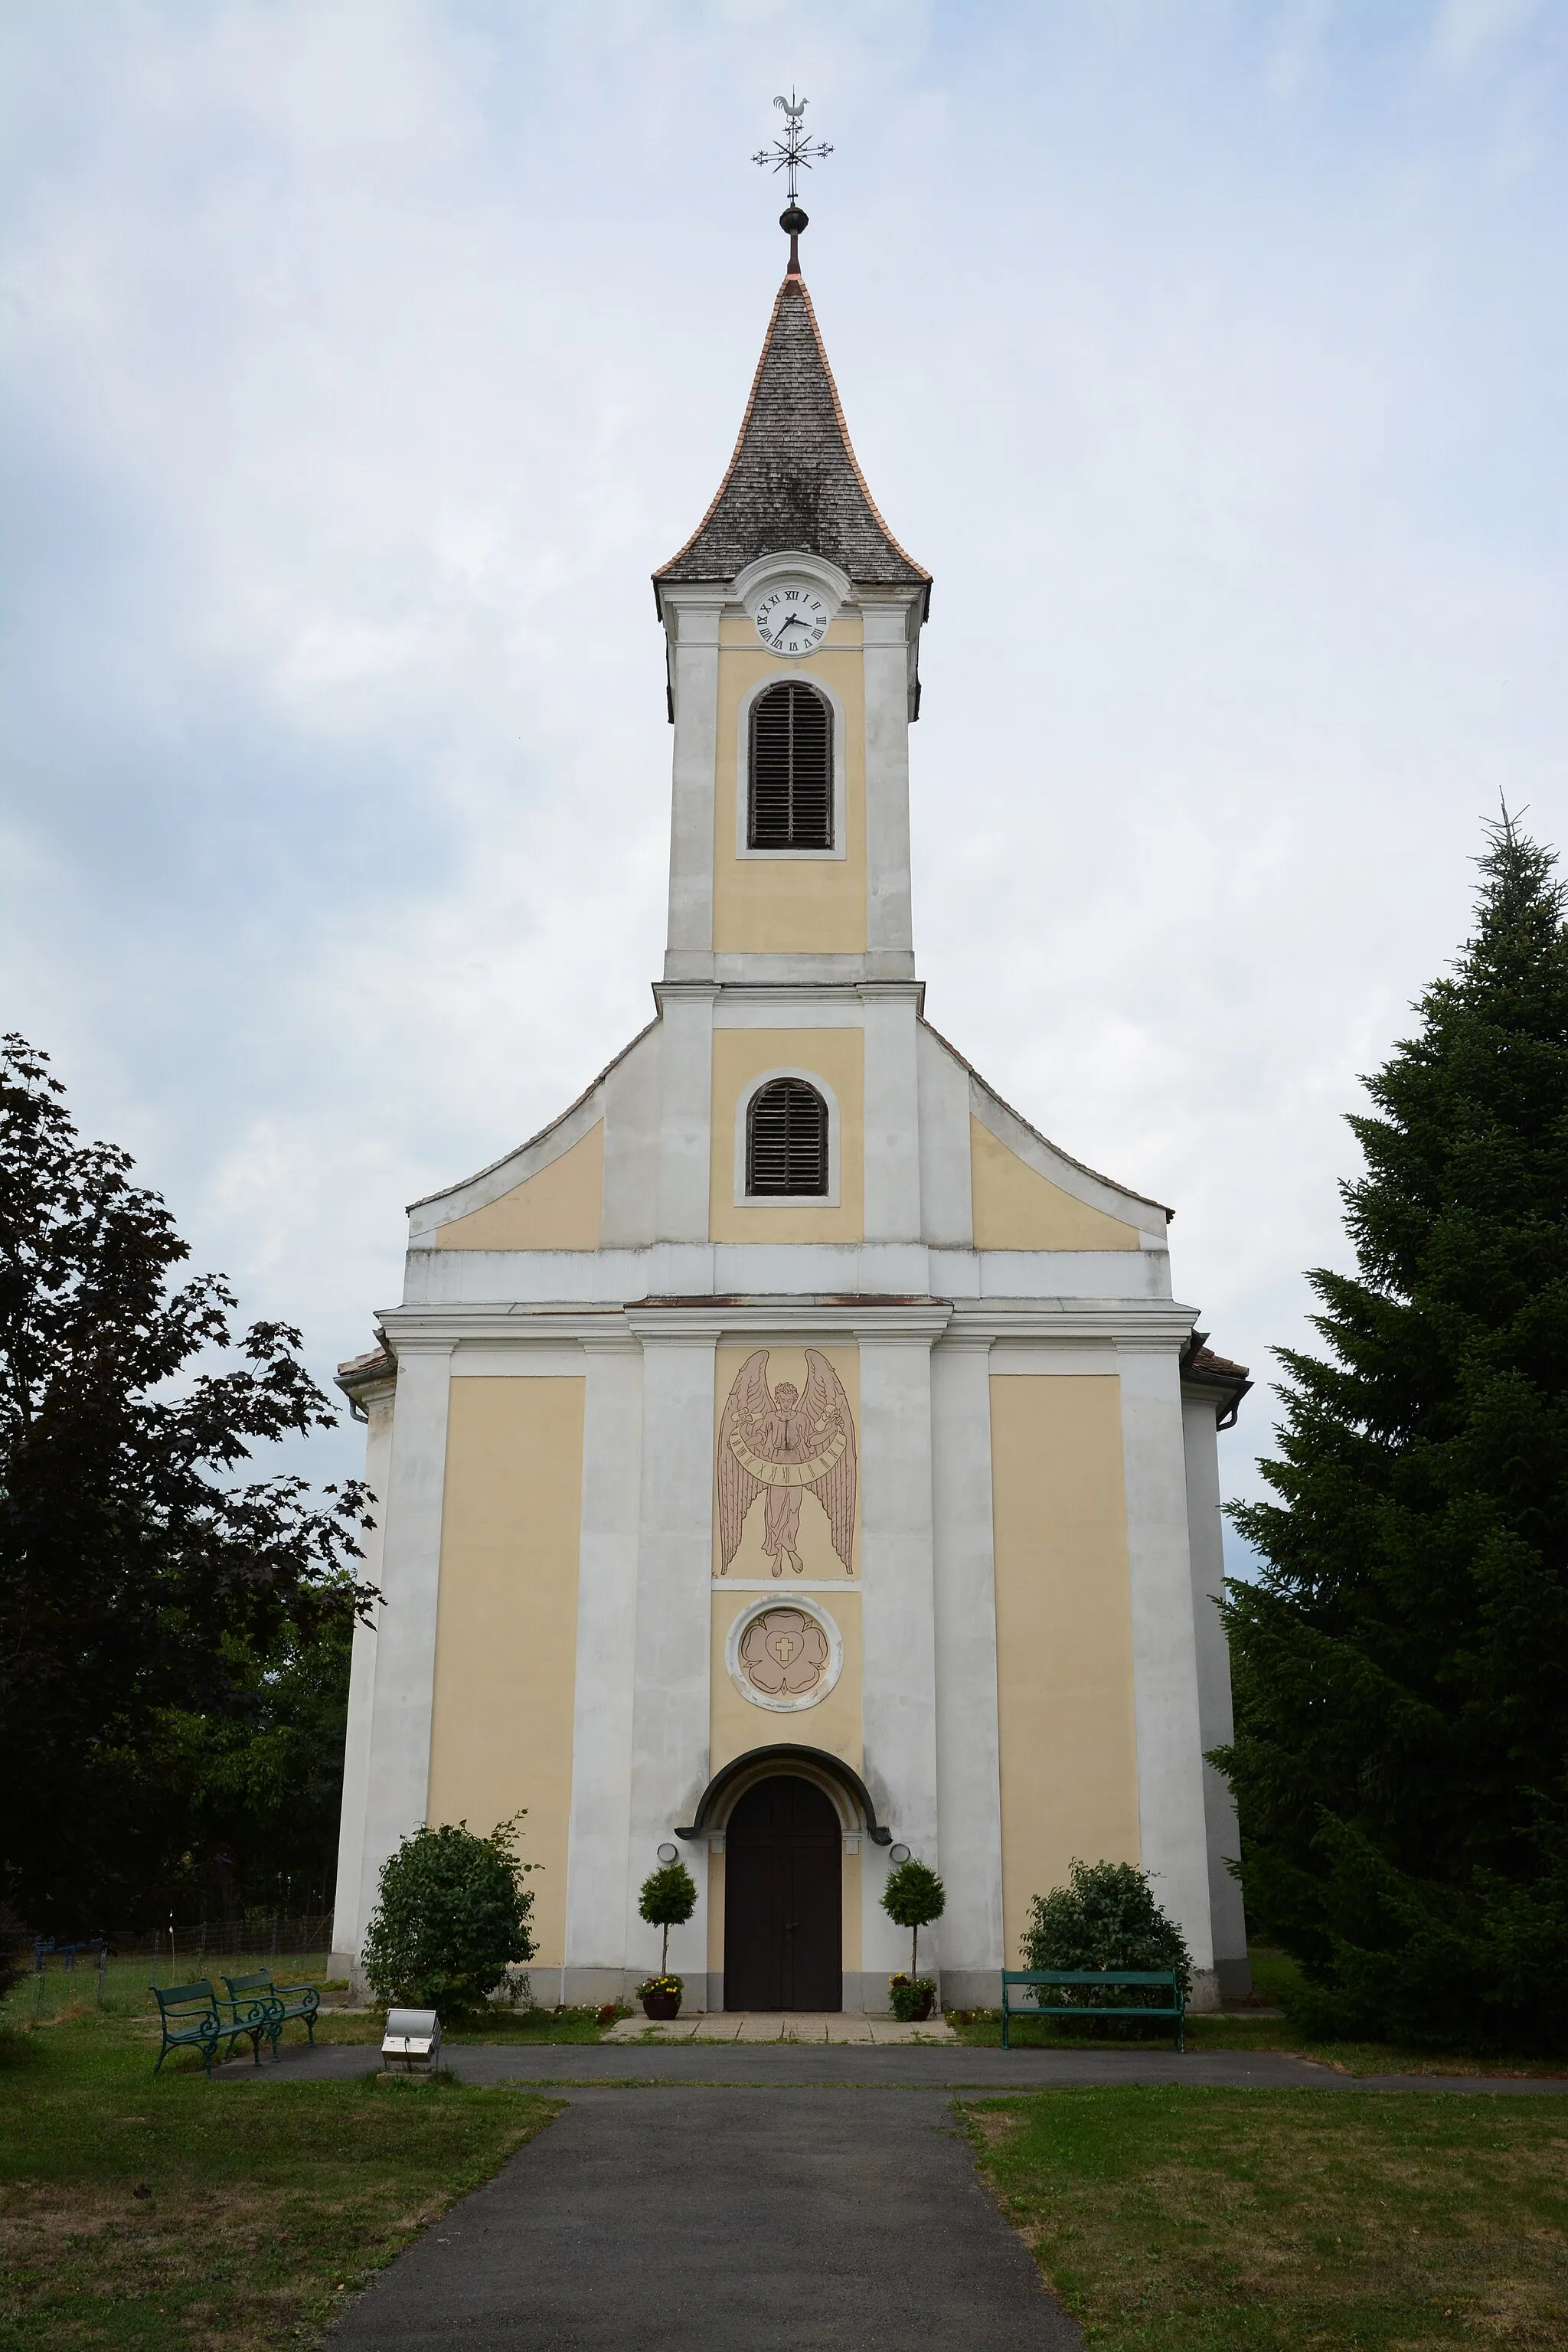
(1196, 2221)
(266, 2206)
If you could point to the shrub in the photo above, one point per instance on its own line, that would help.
(913, 1896)
(15, 1954)
(453, 1917)
(1105, 1918)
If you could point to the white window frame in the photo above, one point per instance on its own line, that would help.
(753, 1087)
(787, 674)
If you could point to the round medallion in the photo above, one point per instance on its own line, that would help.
(785, 1654)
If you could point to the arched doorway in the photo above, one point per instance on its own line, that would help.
(783, 1899)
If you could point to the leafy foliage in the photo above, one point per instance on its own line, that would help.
(911, 1998)
(1106, 1916)
(913, 1896)
(1401, 1670)
(139, 1576)
(14, 1953)
(667, 1900)
(452, 1918)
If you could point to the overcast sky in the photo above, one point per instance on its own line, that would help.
(364, 356)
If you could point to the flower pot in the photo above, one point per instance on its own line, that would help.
(922, 2009)
(661, 2004)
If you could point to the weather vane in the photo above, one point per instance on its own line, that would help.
(793, 153)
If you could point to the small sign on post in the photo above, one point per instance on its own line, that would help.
(412, 2040)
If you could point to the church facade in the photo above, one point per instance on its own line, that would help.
(789, 1457)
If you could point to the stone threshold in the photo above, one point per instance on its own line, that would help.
(790, 2025)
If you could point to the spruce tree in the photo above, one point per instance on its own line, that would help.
(1401, 1668)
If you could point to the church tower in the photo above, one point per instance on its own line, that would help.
(789, 1457)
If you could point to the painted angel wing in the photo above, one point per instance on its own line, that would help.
(825, 1400)
(738, 1490)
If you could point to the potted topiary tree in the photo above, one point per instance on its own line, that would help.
(667, 1900)
(913, 1896)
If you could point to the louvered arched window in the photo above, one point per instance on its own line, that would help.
(787, 1139)
(789, 803)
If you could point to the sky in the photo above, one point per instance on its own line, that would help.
(363, 359)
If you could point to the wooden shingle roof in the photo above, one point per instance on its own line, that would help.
(794, 481)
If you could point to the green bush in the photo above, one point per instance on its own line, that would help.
(1105, 1918)
(453, 1917)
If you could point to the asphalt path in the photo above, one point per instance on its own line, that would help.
(727, 2221)
(856, 2065)
(680, 2201)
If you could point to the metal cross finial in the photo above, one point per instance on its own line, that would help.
(793, 153)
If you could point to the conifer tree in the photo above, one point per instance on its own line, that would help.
(1401, 1669)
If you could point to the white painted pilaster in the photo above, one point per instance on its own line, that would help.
(348, 1923)
(968, 1744)
(898, 1615)
(1164, 1657)
(606, 1665)
(947, 1204)
(399, 1774)
(890, 932)
(892, 1116)
(694, 685)
(1205, 1538)
(675, 1556)
(685, 1141)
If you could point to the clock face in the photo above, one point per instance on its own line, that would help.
(792, 618)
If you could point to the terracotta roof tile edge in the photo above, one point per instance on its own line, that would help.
(798, 286)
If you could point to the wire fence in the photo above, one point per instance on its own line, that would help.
(256, 1936)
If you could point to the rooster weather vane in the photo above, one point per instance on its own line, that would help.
(793, 153)
(777, 1443)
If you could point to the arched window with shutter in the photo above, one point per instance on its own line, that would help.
(790, 795)
(786, 1140)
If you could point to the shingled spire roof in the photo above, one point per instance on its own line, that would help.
(794, 481)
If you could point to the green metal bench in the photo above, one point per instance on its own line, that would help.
(192, 2019)
(1174, 2008)
(281, 2002)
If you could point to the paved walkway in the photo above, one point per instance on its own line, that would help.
(691, 2220)
(679, 2203)
(793, 2025)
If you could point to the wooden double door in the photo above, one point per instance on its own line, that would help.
(783, 1899)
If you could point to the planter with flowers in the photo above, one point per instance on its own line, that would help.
(911, 1999)
(660, 1996)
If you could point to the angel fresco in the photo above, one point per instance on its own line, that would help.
(781, 1443)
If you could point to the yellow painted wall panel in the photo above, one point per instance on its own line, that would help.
(506, 1628)
(1016, 1208)
(558, 1209)
(839, 1057)
(1064, 1633)
(781, 906)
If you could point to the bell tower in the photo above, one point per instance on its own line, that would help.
(792, 579)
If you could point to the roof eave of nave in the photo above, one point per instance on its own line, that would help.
(794, 480)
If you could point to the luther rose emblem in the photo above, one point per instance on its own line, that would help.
(777, 1443)
(783, 1654)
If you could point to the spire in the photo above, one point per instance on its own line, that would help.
(794, 481)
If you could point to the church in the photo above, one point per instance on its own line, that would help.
(790, 1458)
